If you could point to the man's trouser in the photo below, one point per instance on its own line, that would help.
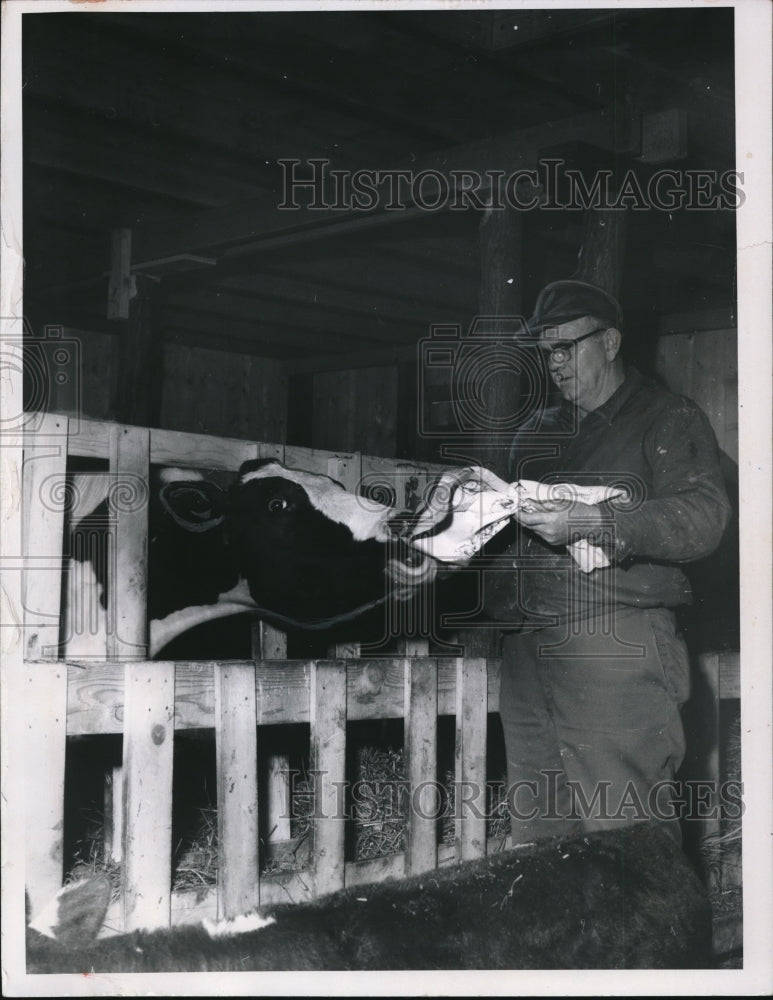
(592, 726)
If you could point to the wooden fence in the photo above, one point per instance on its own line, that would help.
(122, 692)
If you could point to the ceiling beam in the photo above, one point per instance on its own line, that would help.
(267, 316)
(246, 227)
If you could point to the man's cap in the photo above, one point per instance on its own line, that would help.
(563, 301)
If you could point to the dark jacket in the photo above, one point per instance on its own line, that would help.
(662, 449)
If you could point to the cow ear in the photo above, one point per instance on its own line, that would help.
(195, 506)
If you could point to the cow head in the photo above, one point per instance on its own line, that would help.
(305, 552)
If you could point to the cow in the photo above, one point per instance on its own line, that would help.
(625, 898)
(289, 546)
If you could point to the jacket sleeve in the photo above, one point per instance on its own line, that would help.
(685, 513)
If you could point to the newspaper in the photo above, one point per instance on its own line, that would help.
(469, 506)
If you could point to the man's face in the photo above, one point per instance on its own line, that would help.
(581, 361)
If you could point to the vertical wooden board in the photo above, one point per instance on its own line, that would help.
(119, 285)
(128, 562)
(269, 643)
(328, 764)
(470, 776)
(420, 750)
(265, 450)
(114, 814)
(237, 788)
(45, 725)
(148, 746)
(43, 493)
(413, 647)
(278, 800)
(333, 409)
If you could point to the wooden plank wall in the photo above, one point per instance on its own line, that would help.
(217, 392)
(205, 391)
(356, 410)
(704, 366)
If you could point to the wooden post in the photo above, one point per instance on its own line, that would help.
(148, 744)
(45, 684)
(500, 298)
(269, 643)
(601, 256)
(114, 813)
(134, 303)
(470, 774)
(347, 471)
(237, 788)
(128, 560)
(119, 288)
(45, 732)
(420, 746)
(328, 765)
(43, 490)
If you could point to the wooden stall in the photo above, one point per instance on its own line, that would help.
(149, 702)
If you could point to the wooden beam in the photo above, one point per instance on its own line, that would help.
(223, 327)
(140, 347)
(245, 226)
(272, 313)
(266, 59)
(119, 288)
(350, 360)
(699, 321)
(498, 390)
(147, 162)
(303, 289)
(602, 252)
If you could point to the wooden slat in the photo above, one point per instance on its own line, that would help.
(199, 451)
(259, 221)
(128, 561)
(375, 690)
(114, 813)
(470, 774)
(311, 459)
(148, 745)
(84, 632)
(119, 286)
(45, 695)
(237, 789)
(45, 466)
(328, 764)
(269, 643)
(420, 750)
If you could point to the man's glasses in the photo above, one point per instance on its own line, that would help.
(561, 351)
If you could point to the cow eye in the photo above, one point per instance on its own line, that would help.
(276, 504)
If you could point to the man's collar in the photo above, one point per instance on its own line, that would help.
(609, 409)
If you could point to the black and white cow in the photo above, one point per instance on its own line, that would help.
(619, 899)
(289, 546)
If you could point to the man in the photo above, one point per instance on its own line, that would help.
(593, 672)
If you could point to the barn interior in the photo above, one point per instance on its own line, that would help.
(157, 232)
(196, 288)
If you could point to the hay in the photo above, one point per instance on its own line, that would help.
(378, 808)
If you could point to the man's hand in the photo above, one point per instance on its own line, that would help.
(560, 522)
